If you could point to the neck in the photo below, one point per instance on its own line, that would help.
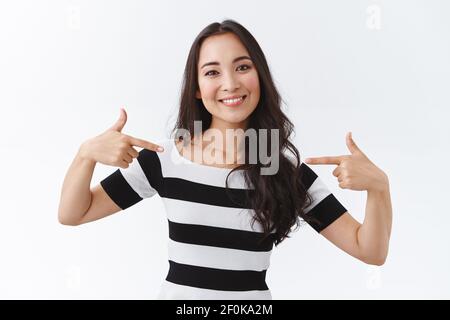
(225, 138)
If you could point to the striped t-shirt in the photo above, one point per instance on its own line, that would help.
(215, 252)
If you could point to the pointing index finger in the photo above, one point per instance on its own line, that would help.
(145, 144)
(324, 160)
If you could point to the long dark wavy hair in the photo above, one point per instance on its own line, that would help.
(278, 200)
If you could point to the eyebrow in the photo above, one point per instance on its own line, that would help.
(216, 63)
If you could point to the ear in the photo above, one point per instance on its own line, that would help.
(198, 95)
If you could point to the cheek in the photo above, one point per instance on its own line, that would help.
(252, 84)
(208, 90)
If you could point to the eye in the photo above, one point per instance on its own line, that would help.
(245, 66)
(209, 73)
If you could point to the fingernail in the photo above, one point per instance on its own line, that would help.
(161, 149)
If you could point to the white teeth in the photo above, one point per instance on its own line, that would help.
(232, 100)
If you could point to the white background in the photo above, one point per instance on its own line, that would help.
(377, 68)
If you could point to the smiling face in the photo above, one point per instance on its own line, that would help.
(228, 81)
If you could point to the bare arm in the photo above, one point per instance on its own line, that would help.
(375, 232)
(369, 241)
(76, 194)
(79, 203)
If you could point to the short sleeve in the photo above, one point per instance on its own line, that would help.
(140, 180)
(324, 208)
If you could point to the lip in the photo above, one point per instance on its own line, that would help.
(234, 97)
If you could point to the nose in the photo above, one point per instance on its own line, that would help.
(230, 83)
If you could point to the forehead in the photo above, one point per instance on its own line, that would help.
(221, 48)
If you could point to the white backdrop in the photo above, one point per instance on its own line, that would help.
(380, 69)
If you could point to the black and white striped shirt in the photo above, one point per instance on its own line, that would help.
(214, 250)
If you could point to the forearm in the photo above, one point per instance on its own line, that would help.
(76, 193)
(374, 234)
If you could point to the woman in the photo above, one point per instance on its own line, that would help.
(225, 216)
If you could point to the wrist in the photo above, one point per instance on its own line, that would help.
(381, 186)
(84, 153)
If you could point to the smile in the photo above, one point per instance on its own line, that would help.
(233, 102)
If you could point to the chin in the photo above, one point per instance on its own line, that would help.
(229, 115)
(235, 119)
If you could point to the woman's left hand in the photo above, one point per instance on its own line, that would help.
(354, 171)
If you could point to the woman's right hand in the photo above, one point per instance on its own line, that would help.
(113, 147)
